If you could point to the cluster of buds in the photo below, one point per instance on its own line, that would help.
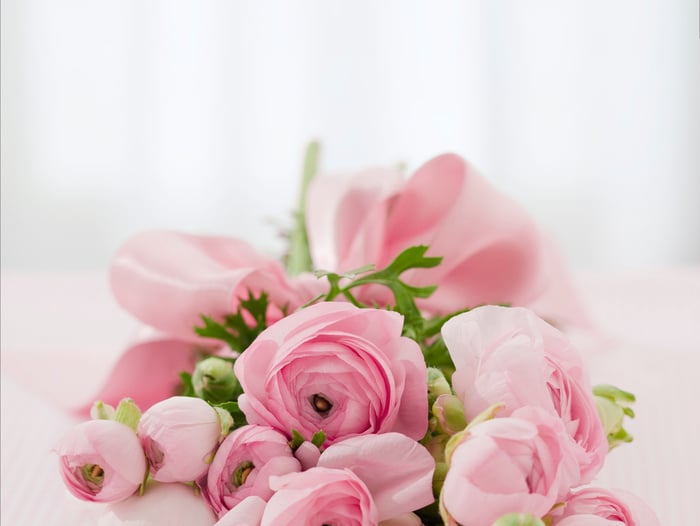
(108, 458)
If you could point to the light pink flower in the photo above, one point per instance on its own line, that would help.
(320, 496)
(101, 461)
(602, 507)
(243, 465)
(397, 471)
(491, 248)
(518, 464)
(248, 512)
(337, 368)
(179, 436)
(510, 355)
(361, 480)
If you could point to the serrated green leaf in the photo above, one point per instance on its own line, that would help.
(236, 329)
(214, 329)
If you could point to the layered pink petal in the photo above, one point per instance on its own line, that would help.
(248, 512)
(397, 470)
(169, 279)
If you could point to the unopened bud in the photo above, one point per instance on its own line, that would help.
(214, 381)
(449, 413)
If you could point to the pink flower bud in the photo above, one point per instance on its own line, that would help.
(179, 436)
(101, 461)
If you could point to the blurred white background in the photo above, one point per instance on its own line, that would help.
(125, 115)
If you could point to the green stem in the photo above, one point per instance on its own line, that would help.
(299, 259)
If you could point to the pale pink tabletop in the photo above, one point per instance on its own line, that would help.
(61, 333)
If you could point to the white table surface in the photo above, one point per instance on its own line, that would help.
(55, 326)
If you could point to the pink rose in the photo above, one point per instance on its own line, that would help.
(491, 248)
(518, 464)
(510, 355)
(602, 507)
(179, 436)
(243, 465)
(361, 480)
(337, 368)
(101, 461)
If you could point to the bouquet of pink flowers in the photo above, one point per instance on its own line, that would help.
(408, 380)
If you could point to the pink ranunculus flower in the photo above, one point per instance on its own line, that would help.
(320, 496)
(362, 480)
(179, 436)
(510, 355)
(524, 463)
(337, 368)
(492, 251)
(602, 507)
(243, 465)
(101, 461)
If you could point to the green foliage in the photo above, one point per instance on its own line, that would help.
(235, 330)
(425, 331)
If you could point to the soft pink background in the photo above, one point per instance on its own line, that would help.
(61, 332)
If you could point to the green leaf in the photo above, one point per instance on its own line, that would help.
(214, 329)
(318, 439)
(299, 257)
(236, 330)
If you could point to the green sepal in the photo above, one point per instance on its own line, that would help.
(101, 411)
(296, 441)
(239, 419)
(612, 405)
(614, 393)
(128, 413)
(318, 439)
(225, 420)
(519, 519)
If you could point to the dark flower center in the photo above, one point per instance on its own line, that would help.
(321, 404)
(93, 475)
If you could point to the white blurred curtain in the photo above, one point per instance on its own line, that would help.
(121, 116)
